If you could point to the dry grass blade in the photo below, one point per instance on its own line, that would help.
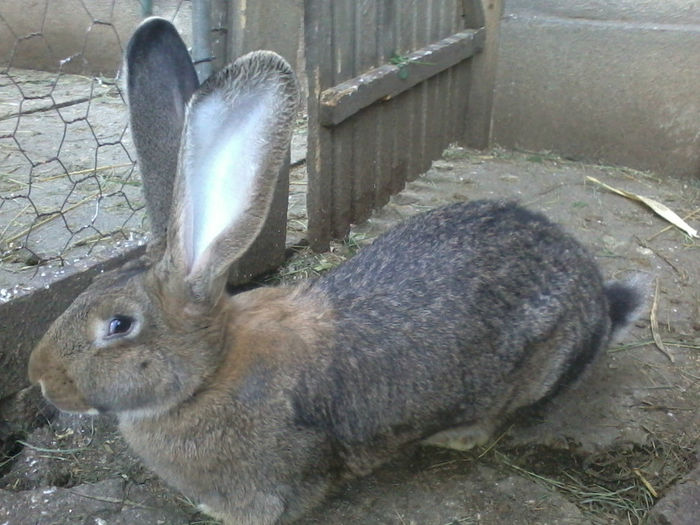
(691, 215)
(53, 450)
(11, 221)
(495, 442)
(655, 325)
(466, 520)
(116, 501)
(660, 209)
(680, 271)
(84, 172)
(598, 501)
(645, 482)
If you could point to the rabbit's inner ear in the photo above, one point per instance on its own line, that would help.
(237, 132)
(222, 160)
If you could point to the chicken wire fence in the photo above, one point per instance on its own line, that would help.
(69, 185)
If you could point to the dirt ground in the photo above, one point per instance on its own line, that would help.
(623, 441)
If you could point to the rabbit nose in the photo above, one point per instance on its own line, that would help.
(56, 385)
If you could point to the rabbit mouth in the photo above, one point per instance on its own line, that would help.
(57, 387)
(66, 401)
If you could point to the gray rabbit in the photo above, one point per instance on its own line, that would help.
(256, 403)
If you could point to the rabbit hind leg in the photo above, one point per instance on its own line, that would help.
(463, 437)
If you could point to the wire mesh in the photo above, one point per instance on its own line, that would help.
(69, 183)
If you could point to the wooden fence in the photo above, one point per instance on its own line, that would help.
(388, 91)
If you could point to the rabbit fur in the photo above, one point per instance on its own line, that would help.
(256, 403)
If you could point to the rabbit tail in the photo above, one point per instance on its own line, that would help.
(625, 301)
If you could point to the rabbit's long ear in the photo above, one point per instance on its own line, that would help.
(237, 134)
(160, 81)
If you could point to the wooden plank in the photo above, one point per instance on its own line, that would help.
(386, 113)
(462, 74)
(385, 82)
(457, 91)
(422, 39)
(364, 140)
(448, 90)
(473, 13)
(319, 70)
(435, 103)
(220, 16)
(252, 27)
(481, 89)
(405, 118)
(342, 170)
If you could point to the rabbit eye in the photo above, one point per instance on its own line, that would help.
(119, 324)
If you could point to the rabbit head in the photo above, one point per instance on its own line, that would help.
(141, 338)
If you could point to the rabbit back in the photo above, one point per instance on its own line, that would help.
(459, 315)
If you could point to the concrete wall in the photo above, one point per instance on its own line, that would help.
(615, 82)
